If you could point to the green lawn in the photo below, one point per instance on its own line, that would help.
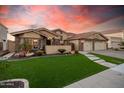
(110, 59)
(52, 72)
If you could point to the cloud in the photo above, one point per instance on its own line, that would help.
(75, 18)
(15, 21)
(4, 10)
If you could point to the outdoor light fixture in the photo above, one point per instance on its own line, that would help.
(4, 40)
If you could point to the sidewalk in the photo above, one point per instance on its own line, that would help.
(111, 78)
(6, 56)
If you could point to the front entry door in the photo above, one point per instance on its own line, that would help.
(48, 42)
(81, 47)
(1, 46)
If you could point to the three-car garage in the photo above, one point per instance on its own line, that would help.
(89, 42)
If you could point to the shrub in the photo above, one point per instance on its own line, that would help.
(121, 47)
(25, 47)
(116, 49)
(61, 50)
(39, 52)
(76, 52)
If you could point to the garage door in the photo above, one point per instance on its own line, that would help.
(88, 46)
(99, 45)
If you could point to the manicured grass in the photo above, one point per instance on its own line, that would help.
(110, 59)
(52, 71)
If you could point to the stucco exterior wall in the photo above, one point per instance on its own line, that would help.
(76, 44)
(53, 49)
(3, 36)
(11, 46)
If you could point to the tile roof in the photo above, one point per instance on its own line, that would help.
(32, 30)
(86, 35)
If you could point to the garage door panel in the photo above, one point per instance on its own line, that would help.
(100, 45)
(88, 46)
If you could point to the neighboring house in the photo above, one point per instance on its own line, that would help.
(89, 41)
(3, 37)
(114, 42)
(115, 37)
(38, 38)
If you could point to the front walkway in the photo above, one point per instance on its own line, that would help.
(6, 56)
(98, 60)
(111, 78)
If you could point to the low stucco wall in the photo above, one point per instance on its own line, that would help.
(11, 46)
(53, 49)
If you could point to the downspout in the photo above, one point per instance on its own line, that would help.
(123, 35)
(93, 45)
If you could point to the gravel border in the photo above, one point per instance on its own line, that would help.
(26, 58)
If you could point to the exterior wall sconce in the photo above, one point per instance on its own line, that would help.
(4, 40)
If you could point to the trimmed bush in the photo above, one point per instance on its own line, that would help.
(76, 52)
(121, 47)
(61, 50)
(39, 52)
(116, 49)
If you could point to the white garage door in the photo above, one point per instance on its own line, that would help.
(100, 45)
(88, 46)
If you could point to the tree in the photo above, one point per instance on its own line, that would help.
(25, 48)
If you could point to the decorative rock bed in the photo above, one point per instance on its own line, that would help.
(14, 83)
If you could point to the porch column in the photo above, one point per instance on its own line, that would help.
(39, 43)
(93, 45)
(17, 43)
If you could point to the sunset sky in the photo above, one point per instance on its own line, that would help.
(75, 19)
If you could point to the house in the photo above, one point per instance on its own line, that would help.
(3, 37)
(40, 38)
(89, 41)
(52, 40)
(115, 37)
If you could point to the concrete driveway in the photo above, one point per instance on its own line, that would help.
(118, 54)
(111, 78)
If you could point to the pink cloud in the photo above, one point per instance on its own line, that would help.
(15, 21)
(4, 9)
(77, 19)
